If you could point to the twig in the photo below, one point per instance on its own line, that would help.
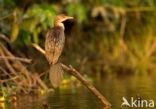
(5, 72)
(25, 82)
(6, 16)
(9, 67)
(152, 49)
(42, 74)
(7, 63)
(38, 48)
(16, 58)
(21, 68)
(21, 87)
(2, 36)
(10, 79)
(123, 26)
(78, 75)
(18, 64)
(37, 78)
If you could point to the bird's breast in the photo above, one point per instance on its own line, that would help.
(54, 44)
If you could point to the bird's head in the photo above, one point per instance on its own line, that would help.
(59, 19)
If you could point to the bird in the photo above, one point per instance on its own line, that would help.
(54, 44)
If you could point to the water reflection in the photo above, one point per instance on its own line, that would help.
(113, 88)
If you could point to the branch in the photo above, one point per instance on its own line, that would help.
(18, 65)
(26, 78)
(39, 81)
(6, 62)
(6, 73)
(2, 36)
(38, 48)
(78, 75)
(10, 79)
(16, 58)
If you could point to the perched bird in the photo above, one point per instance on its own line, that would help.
(54, 43)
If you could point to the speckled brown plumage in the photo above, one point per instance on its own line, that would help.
(54, 44)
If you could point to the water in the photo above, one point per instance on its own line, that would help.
(113, 88)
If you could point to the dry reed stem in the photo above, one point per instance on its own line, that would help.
(16, 58)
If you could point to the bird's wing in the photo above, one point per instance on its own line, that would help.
(54, 44)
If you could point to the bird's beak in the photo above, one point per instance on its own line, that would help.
(68, 17)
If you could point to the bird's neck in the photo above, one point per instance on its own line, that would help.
(59, 24)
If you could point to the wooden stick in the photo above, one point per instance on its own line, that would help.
(6, 73)
(25, 82)
(10, 68)
(10, 79)
(78, 75)
(16, 58)
(38, 79)
(2, 36)
(38, 48)
(19, 65)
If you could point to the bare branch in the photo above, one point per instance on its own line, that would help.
(40, 82)
(38, 48)
(2, 36)
(18, 64)
(16, 58)
(10, 68)
(10, 79)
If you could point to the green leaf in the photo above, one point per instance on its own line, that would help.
(23, 38)
(78, 10)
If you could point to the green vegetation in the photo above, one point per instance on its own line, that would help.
(116, 36)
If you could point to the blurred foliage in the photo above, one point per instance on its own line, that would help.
(115, 35)
(77, 9)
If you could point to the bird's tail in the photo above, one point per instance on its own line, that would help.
(56, 74)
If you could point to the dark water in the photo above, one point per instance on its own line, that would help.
(113, 88)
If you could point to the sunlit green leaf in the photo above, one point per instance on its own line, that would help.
(77, 10)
